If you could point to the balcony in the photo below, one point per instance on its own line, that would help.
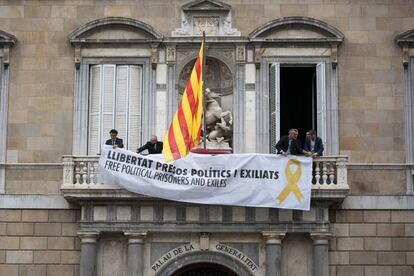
(329, 181)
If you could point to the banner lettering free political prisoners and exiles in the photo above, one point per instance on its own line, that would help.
(254, 180)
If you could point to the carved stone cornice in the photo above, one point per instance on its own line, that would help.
(320, 238)
(80, 35)
(273, 237)
(88, 236)
(135, 236)
(6, 41)
(327, 33)
(406, 41)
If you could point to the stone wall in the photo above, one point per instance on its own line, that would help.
(377, 182)
(371, 126)
(372, 243)
(41, 78)
(39, 242)
(34, 181)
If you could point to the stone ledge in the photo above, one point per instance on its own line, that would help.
(332, 195)
(397, 202)
(34, 202)
(211, 227)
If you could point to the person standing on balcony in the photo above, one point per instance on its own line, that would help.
(153, 146)
(313, 145)
(114, 141)
(290, 144)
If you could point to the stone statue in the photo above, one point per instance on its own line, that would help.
(219, 123)
(185, 27)
(227, 29)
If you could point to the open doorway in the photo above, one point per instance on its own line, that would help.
(298, 99)
(204, 269)
(293, 100)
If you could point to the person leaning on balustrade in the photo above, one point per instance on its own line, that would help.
(290, 144)
(313, 145)
(153, 146)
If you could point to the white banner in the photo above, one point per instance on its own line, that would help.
(253, 180)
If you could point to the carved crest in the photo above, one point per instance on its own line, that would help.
(212, 17)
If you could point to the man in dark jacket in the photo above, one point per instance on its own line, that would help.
(153, 146)
(114, 141)
(314, 145)
(289, 144)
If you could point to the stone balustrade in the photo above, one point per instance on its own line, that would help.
(80, 172)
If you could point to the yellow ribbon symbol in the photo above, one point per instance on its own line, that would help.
(292, 185)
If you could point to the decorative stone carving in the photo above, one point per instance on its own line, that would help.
(240, 53)
(258, 54)
(185, 27)
(334, 56)
(217, 76)
(185, 54)
(204, 241)
(6, 56)
(405, 41)
(227, 29)
(229, 55)
(406, 56)
(6, 41)
(214, 18)
(78, 56)
(154, 55)
(171, 54)
(208, 24)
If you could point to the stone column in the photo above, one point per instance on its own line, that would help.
(273, 242)
(88, 252)
(135, 252)
(320, 265)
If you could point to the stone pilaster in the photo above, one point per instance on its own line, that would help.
(320, 266)
(135, 252)
(88, 252)
(273, 242)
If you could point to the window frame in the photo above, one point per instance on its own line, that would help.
(3, 122)
(329, 108)
(82, 104)
(409, 121)
(6, 42)
(406, 42)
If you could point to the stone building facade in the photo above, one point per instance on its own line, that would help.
(342, 67)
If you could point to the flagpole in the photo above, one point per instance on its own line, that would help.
(203, 92)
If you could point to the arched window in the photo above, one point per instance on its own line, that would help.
(113, 82)
(297, 57)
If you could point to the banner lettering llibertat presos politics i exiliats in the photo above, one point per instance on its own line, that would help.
(253, 180)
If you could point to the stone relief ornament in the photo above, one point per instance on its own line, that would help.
(170, 54)
(217, 76)
(185, 54)
(207, 24)
(241, 53)
(212, 17)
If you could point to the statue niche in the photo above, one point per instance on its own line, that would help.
(219, 101)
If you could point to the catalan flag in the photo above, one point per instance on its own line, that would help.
(185, 128)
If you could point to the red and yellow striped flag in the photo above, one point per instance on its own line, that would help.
(185, 128)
